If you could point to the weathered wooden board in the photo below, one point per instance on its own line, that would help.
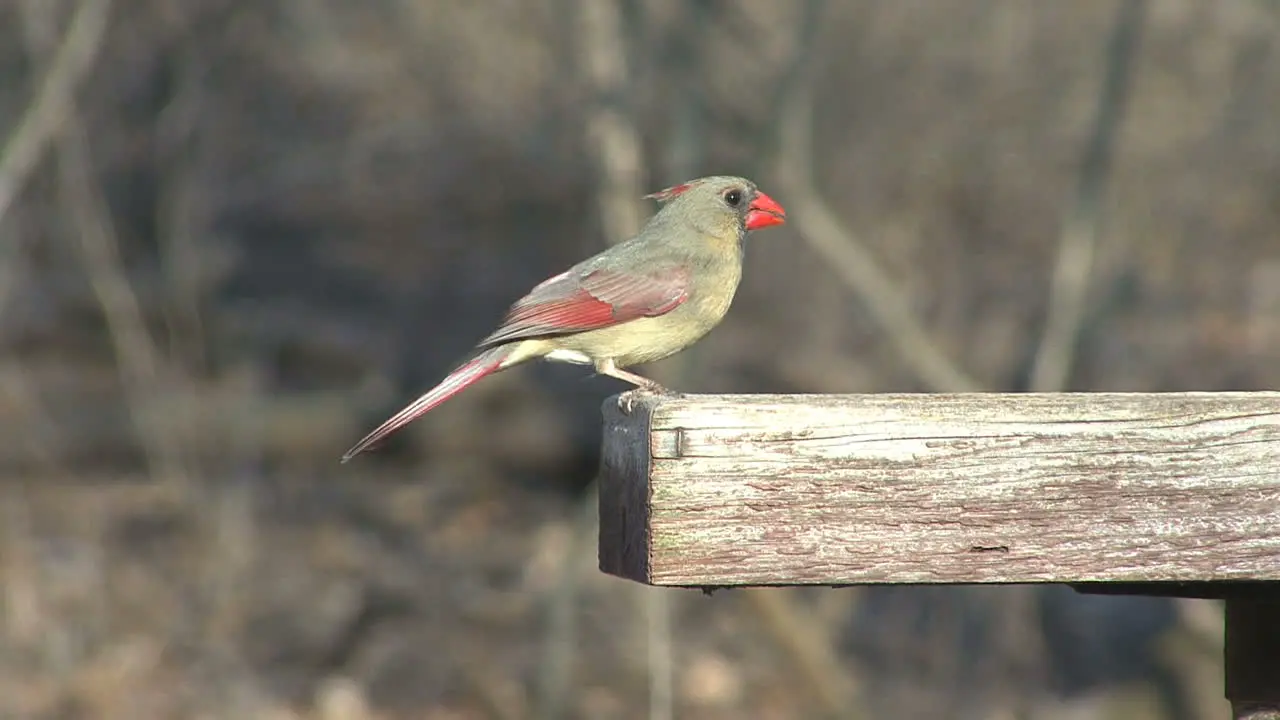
(723, 490)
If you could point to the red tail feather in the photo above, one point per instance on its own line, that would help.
(486, 363)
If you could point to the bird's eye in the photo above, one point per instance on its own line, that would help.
(733, 197)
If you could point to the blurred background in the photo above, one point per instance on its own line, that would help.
(235, 235)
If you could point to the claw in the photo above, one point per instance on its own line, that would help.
(626, 401)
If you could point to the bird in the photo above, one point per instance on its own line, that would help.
(641, 300)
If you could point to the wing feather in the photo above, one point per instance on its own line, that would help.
(569, 302)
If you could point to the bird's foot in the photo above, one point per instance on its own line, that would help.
(664, 391)
(626, 401)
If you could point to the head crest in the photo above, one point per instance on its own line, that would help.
(667, 195)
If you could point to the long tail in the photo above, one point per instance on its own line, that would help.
(486, 363)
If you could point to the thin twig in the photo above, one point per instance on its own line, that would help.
(687, 112)
(657, 610)
(181, 206)
(66, 69)
(12, 260)
(136, 355)
(36, 432)
(801, 635)
(611, 135)
(809, 647)
(826, 233)
(683, 62)
(1069, 292)
(135, 350)
(615, 145)
(560, 641)
(36, 429)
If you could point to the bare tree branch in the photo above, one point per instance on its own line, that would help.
(1069, 293)
(44, 118)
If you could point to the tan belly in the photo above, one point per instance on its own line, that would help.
(639, 341)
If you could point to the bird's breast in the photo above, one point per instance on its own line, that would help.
(713, 288)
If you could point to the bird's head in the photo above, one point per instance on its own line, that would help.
(721, 205)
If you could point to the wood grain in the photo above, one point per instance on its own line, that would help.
(723, 490)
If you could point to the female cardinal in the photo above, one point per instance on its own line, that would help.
(639, 301)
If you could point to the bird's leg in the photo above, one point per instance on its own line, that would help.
(610, 368)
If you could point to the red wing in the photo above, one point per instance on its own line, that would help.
(569, 303)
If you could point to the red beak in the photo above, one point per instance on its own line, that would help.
(764, 212)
